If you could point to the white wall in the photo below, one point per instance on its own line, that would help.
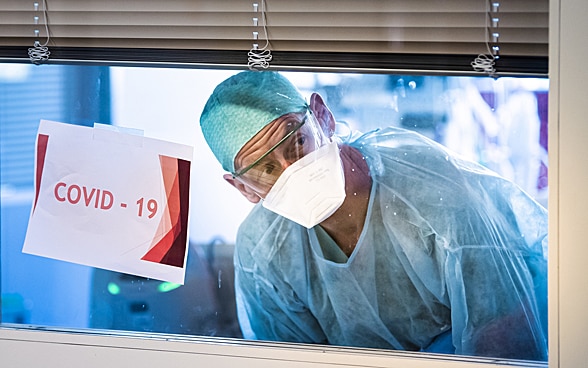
(568, 270)
(569, 82)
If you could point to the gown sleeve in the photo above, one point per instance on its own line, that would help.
(492, 237)
(494, 306)
(268, 307)
(497, 281)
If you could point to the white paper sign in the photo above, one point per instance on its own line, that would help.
(110, 200)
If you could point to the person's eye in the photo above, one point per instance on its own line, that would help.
(268, 169)
(301, 140)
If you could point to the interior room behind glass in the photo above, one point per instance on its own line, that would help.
(500, 123)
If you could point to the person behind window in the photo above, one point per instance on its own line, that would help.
(386, 241)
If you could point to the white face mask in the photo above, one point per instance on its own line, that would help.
(311, 189)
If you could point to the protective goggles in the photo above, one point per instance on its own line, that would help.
(300, 136)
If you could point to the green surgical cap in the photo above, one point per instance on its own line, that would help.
(241, 106)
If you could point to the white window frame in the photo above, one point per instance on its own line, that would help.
(568, 278)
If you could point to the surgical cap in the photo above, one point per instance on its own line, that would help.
(241, 106)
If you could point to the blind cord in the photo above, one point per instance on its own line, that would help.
(485, 62)
(39, 53)
(259, 58)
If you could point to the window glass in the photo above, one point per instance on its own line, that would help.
(501, 124)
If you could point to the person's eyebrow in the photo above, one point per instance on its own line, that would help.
(268, 152)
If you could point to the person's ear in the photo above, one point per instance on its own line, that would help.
(244, 189)
(322, 113)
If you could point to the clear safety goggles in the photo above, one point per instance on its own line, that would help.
(296, 137)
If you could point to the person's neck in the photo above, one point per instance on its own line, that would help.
(346, 224)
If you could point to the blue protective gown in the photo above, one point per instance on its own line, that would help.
(451, 259)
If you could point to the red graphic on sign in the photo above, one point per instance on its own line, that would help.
(170, 242)
(42, 141)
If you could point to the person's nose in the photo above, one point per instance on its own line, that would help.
(285, 159)
(285, 163)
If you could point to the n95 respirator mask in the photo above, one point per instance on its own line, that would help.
(311, 189)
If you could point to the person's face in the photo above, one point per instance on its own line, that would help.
(262, 160)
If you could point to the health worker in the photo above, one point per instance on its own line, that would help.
(386, 241)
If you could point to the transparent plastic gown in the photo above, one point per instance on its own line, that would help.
(452, 259)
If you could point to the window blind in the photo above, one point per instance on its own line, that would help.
(300, 32)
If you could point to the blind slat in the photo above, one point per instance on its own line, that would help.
(536, 50)
(154, 19)
(299, 6)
